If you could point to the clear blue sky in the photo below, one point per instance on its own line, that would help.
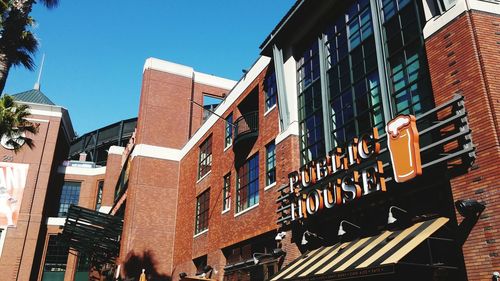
(95, 50)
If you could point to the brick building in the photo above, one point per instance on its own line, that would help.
(235, 197)
(290, 173)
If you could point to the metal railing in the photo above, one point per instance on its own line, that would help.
(246, 124)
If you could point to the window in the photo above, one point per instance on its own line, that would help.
(312, 142)
(247, 186)
(270, 163)
(205, 164)
(100, 188)
(226, 204)
(353, 79)
(202, 211)
(82, 268)
(410, 90)
(3, 233)
(210, 103)
(270, 90)
(229, 131)
(69, 195)
(354, 92)
(55, 259)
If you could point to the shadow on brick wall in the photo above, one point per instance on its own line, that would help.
(135, 262)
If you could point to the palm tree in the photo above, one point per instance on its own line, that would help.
(14, 125)
(17, 42)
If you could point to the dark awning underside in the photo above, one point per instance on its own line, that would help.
(375, 255)
(92, 233)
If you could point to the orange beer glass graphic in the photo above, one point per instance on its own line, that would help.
(402, 141)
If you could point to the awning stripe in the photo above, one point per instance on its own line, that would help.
(403, 238)
(343, 255)
(370, 252)
(295, 263)
(319, 256)
(408, 247)
(322, 261)
(364, 249)
(389, 245)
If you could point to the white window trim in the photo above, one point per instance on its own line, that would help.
(204, 176)
(270, 186)
(246, 210)
(200, 233)
(270, 109)
(227, 147)
(226, 210)
(3, 235)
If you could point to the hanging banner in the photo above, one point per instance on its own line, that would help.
(12, 182)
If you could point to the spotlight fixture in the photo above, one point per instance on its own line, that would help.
(183, 275)
(278, 252)
(495, 276)
(280, 236)
(341, 229)
(469, 208)
(306, 234)
(391, 219)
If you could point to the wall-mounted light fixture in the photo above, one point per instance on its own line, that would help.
(471, 210)
(391, 219)
(307, 234)
(278, 252)
(280, 236)
(341, 228)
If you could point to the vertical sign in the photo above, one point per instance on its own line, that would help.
(12, 182)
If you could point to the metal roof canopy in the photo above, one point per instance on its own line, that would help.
(92, 233)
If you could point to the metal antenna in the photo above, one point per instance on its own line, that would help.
(37, 84)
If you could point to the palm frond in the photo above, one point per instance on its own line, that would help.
(50, 3)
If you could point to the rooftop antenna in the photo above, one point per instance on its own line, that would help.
(37, 84)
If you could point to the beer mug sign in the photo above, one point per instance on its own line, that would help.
(402, 141)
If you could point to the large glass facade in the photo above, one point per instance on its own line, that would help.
(353, 80)
(408, 75)
(310, 104)
(247, 185)
(358, 93)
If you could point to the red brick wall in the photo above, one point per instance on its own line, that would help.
(164, 108)
(150, 211)
(19, 249)
(224, 229)
(113, 169)
(463, 57)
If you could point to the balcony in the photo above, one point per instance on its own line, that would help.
(246, 128)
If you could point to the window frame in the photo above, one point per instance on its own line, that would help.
(270, 159)
(202, 215)
(68, 197)
(247, 176)
(100, 191)
(270, 91)
(226, 193)
(205, 158)
(228, 133)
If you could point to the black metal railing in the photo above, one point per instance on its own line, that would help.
(246, 125)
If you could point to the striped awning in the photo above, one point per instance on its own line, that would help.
(363, 257)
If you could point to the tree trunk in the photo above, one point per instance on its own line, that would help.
(4, 70)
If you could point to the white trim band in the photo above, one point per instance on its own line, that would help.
(114, 149)
(158, 152)
(56, 221)
(81, 171)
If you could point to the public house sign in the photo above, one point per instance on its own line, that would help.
(342, 176)
(355, 170)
